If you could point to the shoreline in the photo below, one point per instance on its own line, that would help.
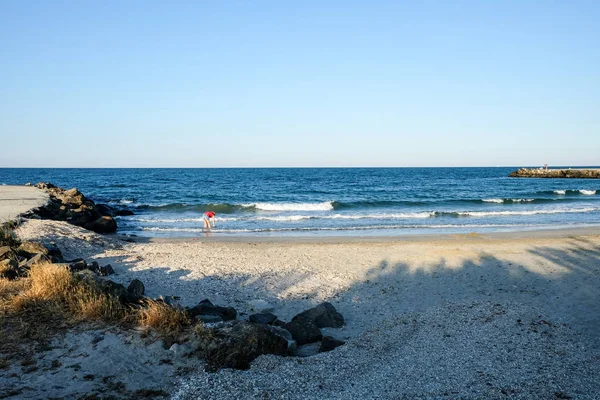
(592, 230)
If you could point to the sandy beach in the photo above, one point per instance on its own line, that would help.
(507, 315)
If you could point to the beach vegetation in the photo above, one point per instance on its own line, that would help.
(163, 318)
(51, 299)
(8, 236)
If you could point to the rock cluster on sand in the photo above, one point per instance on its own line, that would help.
(72, 206)
(555, 173)
(234, 343)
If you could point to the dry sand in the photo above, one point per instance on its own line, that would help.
(455, 316)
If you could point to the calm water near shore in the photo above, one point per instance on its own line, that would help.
(329, 201)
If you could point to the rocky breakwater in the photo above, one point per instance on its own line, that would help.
(75, 208)
(555, 173)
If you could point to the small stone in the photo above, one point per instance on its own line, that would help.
(329, 343)
(107, 270)
(262, 318)
(324, 315)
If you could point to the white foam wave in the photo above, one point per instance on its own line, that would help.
(587, 192)
(560, 192)
(323, 206)
(493, 200)
(291, 218)
(507, 200)
(531, 212)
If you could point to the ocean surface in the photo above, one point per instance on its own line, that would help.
(329, 201)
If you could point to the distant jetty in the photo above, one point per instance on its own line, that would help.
(555, 173)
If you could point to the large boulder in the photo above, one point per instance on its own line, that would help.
(205, 307)
(323, 316)
(237, 343)
(103, 224)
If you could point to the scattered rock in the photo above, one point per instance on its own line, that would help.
(38, 258)
(78, 264)
(324, 315)
(9, 269)
(205, 307)
(30, 249)
(329, 343)
(304, 331)
(263, 318)
(106, 270)
(54, 252)
(235, 345)
(136, 287)
(5, 252)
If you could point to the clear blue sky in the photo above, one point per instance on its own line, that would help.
(306, 83)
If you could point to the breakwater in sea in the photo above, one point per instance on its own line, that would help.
(556, 173)
(328, 201)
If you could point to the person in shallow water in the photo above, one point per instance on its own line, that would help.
(208, 217)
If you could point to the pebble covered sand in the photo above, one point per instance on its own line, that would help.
(463, 316)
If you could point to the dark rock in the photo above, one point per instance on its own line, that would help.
(105, 210)
(239, 343)
(263, 318)
(93, 266)
(136, 287)
(279, 323)
(9, 269)
(123, 213)
(30, 249)
(108, 287)
(5, 252)
(54, 252)
(107, 270)
(75, 208)
(329, 343)
(102, 225)
(205, 307)
(78, 264)
(304, 331)
(324, 315)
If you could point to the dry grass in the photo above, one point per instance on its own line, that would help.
(163, 318)
(51, 299)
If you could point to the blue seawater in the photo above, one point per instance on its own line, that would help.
(329, 201)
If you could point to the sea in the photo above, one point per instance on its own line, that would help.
(169, 202)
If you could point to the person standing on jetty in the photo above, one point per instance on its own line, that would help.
(209, 216)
